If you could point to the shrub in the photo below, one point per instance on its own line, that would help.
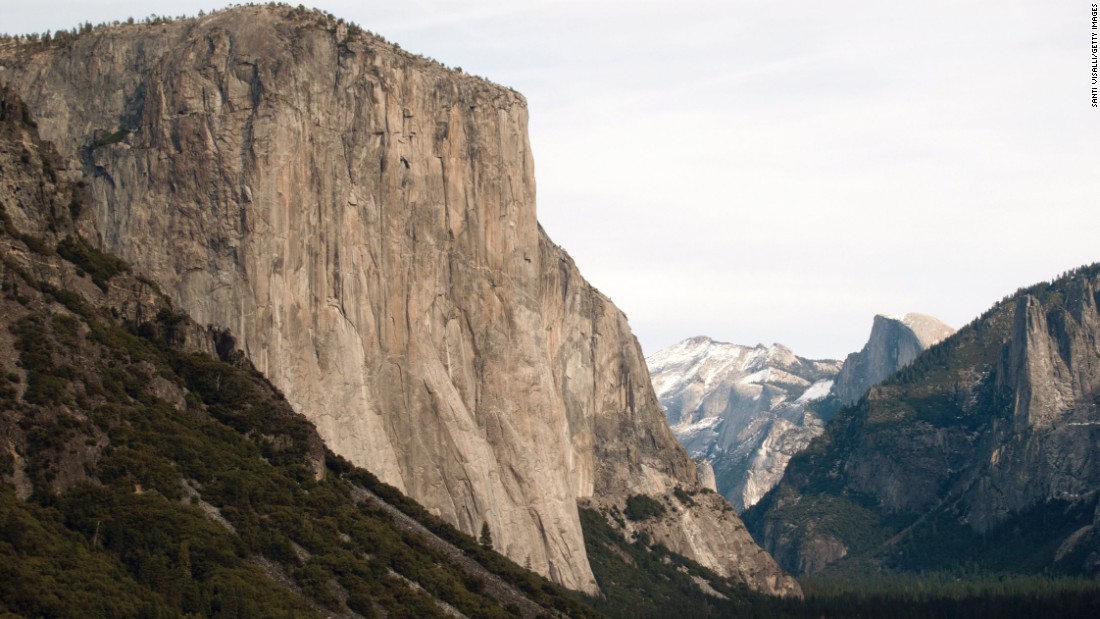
(102, 267)
(641, 507)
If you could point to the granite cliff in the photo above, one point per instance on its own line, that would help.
(893, 344)
(362, 221)
(146, 469)
(982, 453)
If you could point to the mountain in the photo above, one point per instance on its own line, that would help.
(362, 222)
(147, 470)
(895, 341)
(744, 411)
(979, 456)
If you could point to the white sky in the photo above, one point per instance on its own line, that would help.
(775, 171)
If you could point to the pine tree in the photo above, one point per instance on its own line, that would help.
(486, 537)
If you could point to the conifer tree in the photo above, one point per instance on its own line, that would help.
(486, 537)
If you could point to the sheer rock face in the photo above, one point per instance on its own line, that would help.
(363, 221)
(1047, 450)
(895, 341)
(743, 410)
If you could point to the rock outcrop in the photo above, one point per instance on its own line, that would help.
(983, 451)
(679, 525)
(894, 342)
(742, 410)
(1048, 449)
(363, 222)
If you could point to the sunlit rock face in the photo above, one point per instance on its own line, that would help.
(894, 342)
(363, 221)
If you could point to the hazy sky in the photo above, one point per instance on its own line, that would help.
(776, 171)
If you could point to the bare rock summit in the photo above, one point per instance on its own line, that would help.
(895, 342)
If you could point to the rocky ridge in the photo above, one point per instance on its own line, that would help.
(746, 411)
(363, 222)
(984, 448)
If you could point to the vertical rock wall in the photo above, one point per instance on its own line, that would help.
(363, 221)
(894, 343)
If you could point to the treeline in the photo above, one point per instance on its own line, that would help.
(87, 27)
(642, 580)
(322, 18)
(950, 595)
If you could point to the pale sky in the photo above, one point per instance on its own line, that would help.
(762, 171)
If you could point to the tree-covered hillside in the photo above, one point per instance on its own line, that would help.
(980, 458)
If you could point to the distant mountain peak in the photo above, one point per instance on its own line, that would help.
(724, 401)
(747, 409)
(699, 340)
(928, 329)
(895, 341)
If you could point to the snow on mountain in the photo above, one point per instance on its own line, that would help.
(817, 391)
(744, 410)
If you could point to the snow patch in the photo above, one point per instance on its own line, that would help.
(818, 390)
(758, 377)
